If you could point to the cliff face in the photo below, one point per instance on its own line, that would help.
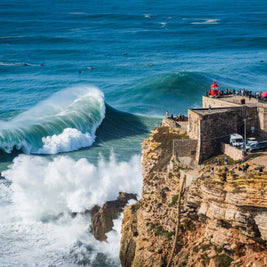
(223, 220)
(102, 218)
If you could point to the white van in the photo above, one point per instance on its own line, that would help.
(236, 140)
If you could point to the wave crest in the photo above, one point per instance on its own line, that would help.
(66, 121)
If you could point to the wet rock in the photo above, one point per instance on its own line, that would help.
(102, 218)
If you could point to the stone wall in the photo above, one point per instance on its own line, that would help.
(185, 151)
(262, 117)
(213, 126)
(233, 152)
(252, 120)
(256, 117)
(216, 103)
(216, 127)
(193, 124)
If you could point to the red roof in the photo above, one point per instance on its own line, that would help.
(214, 84)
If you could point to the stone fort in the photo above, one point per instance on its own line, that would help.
(209, 127)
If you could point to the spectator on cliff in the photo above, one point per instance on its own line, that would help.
(234, 168)
(212, 170)
(209, 108)
(167, 113)
(225, 160)
(172, 116)
(246, 167)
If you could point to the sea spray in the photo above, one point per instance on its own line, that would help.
(41, 198)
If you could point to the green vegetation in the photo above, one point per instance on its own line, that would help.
(223, 260)
(160, 231)
(166, 137)
(137, 206)
(195, 249)
(174, 199)
(206, 258)
(219, 250)
(221, 157)
(205, 247)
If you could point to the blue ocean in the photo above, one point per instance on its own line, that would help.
(82, 83)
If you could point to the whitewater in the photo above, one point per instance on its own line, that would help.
(38, 200)
(81, 85)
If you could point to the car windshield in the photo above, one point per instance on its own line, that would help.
(239, 140)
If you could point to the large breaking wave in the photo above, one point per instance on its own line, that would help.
(66, 121)
(173, 91)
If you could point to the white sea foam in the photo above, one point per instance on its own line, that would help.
(44, 189)
(36, 227)
(69, 140)
(208, 21)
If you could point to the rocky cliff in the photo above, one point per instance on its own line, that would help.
(102, 218)
(222, 215)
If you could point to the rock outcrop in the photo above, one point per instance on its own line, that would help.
(223, 220)
(102, 218)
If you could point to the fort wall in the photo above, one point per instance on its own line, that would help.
(217, 103)
(262, 118)
(185, 151)
(231, 151)
(254, 113)
(210, 127)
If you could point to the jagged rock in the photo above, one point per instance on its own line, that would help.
(223, 215)
(102, 218)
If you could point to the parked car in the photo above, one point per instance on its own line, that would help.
(249, 142)
(259, 146)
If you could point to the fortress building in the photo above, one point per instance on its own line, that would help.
(222, 115)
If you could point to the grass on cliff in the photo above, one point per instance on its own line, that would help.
(223, 260)
(221, 158)
(165, 137)
(174, 199)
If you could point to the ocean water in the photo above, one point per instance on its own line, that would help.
(82, 83)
